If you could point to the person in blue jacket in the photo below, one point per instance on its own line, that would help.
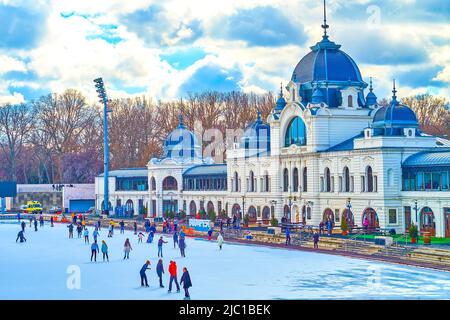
(143, 275)
(288, 236)
(160, 245)
(150, 237)
(94, 250)
(86, 235)
(175, 239)
(21, 237)
(159, 272)
(95, 234)
(182, 245)
(329, 227)
(70, 226)
(122, 227)
(187, 283)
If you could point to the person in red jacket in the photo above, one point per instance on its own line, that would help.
(173, 275)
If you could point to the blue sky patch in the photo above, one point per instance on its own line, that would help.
(183, 57)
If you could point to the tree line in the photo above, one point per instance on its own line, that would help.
(58, 138)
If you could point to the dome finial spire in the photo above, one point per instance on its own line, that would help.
(325, 26)
(371, 87)
(180, 118)
(281, 89)
(394, 92)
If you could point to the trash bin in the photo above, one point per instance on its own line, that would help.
(427, 237)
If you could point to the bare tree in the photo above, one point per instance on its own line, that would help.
(16, 123)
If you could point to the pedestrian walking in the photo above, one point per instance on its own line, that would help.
(144, 268)
(86, 235)
(182, 245)
(175, 239)
(316, 240)
(94, 250)
(173, 276)
(160, 271)
(187, 283)
(220, 241)
(70, 226)
(160, 245)
(127, 248)
(105, 251)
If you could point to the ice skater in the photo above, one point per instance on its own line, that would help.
(35, 225)
(160, 245)
(150, 237)
(160, 271)
(21, 236)
(105, 251)
(79, 230)
(23, 225)
(126, 249)
(70, 226)
(31, 220)
(122, 227)
(220, 241)
(186, 281)
(182, 245)
(316, 240)
(144, 268)
(51, 222)
(95, 234)
(210, 232)
(94, 250)
(140, 237)
(288, 236)
(135, 227)
(175, 239)
(86, 235)
(41, 220)
(173, 276)
(110, 231)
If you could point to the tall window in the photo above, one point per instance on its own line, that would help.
(285, 180)
(236, 182)
(295, 179)
(327, 183)
(266, 182)
(350, 101)
(295, 133)
(369, 179)
(251, 182)
(169, 183)
(305, 179)
(346, 179)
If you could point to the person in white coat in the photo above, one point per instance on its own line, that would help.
(220, 240)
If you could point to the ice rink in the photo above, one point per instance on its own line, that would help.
(38, 269)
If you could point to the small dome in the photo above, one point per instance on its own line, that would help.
(392, 119)
(281, 102)
(371, 98)
(182, 144)
(256, 138)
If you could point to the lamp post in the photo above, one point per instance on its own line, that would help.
(416, 209)
(290, 208)
(243, 206)
(100, 88)
(349, 208)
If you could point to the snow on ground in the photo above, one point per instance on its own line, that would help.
(37, 269)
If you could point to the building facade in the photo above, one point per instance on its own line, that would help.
(327, 151)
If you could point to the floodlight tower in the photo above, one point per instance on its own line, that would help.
(100, 88)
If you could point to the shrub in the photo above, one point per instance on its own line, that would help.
(274, 222)
(413, 231)
(212, 215)
(246, 218)
(344, 224)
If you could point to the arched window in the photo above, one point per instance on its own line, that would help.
(346, 179)
(285, 180)
(252, 214)
(305, 179)
(152, 183)
(295, 179)
(369, 179)
(327, 186)
(350, 101)
(236, 182)
(295, 133)
(169, 183)
(251, 182)
(192, 208)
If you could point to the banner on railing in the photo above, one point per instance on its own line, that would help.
(200, 224)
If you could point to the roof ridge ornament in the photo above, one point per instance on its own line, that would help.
(394, 92)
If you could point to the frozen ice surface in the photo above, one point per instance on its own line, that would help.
(37, 269)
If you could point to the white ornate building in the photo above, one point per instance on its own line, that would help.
(327, 151)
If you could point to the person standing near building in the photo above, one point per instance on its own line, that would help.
(144, 268)
(182, 245)
(220, 240)
(329, 227)
(105, 251)
(175, 239)
(173, 276)
(288, 236)
(316, 240)
(186, 281)
(86, 235)
(122, 227)
(94, 250)
(160, 245)
(127, 248)
(160, 271)
(70, 226)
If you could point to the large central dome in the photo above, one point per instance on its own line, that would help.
(326, 63)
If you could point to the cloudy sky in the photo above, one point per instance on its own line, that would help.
(166, 48)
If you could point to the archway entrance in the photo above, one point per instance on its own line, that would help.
(129, 208)
(266, 215)
(347, 214)
(296, 213)
(209, 207)
(427, 222)
(236, 211)
(304, 215)
(252, 214)
(285, 214)
(372, 218)
(328, 214)
(192, 208)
